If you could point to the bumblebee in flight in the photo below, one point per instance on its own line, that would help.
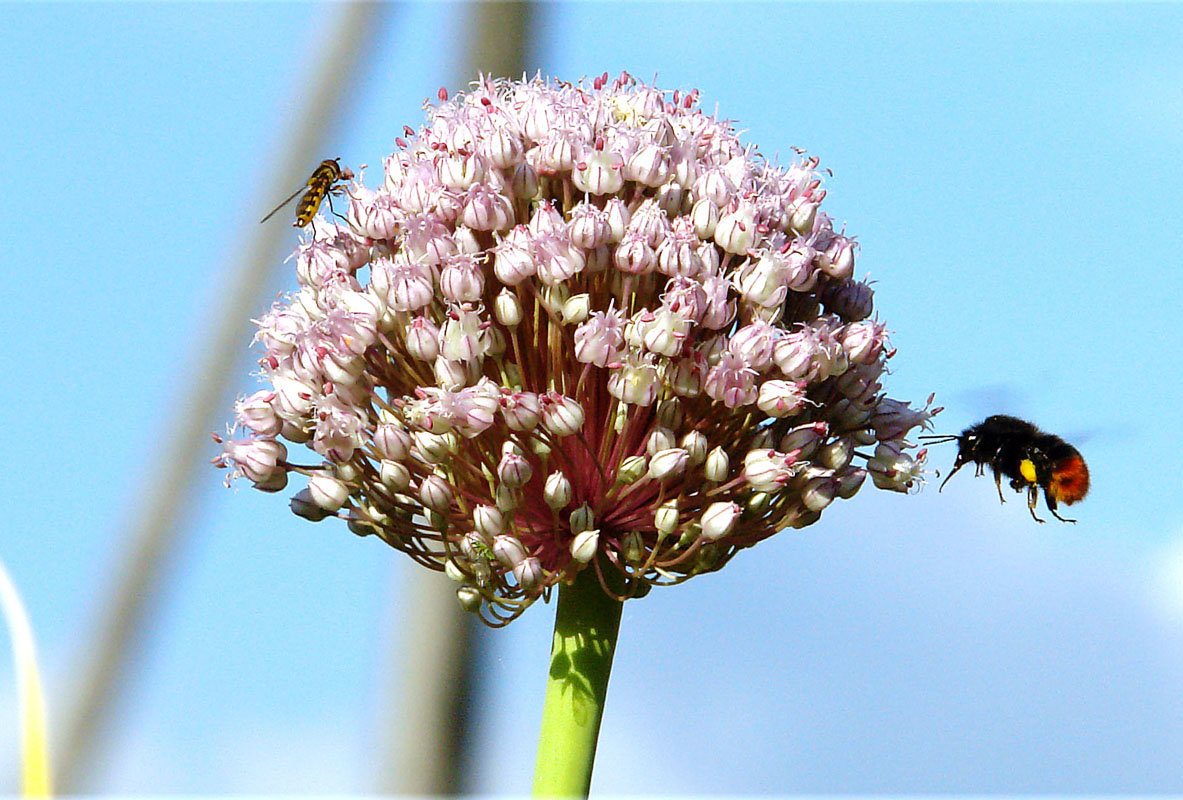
(1032, 460)
(319, 186)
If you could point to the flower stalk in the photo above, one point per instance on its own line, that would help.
(587, 621)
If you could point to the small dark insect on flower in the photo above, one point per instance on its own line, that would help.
(319, 185)
(1032, 460)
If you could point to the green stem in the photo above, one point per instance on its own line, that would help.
(586, 624)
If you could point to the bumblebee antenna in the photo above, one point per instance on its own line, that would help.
(939, 438)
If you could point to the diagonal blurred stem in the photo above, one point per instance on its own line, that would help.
(155, 531)
(430, 740)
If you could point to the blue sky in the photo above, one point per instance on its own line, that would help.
(1012, 173)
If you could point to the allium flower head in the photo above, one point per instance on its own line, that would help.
(575, 327)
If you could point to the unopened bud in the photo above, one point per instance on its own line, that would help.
(666, 517)
(719, 519)
(667, 464)
(507, 308)
(488, 520)
(394, 476)
(327, 492)
(509, 550)
(435, 493)
(695, 445)
(582, 519)
(304, 506)
(632, 547)
(717, 465)
(529, 573)
(818, 494)
(583, 546)
(576, 309)
(470, 598)
(660, 439)
(631, 470)
(557, 492)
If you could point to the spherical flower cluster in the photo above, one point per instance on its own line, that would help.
(576, 327)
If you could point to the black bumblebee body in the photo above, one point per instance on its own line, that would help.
(1032, 459)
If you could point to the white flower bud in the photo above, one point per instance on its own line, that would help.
(488, 520)
(818, 494)
(562, 416)
(837, 454)
(631, 470)
(705, 216)
(576, 309)
(507, 308)
(583, 546)
(665, 519)
(557, 491)
(394, 475)
(529, 573)
(304, 506)
(431, 447)
(453, 571)
(695, 445)
(514, 471)
(660, 439)
(327, 492)
(717, 465)
(667, 464)
(669, 413)
(719, 519)
(506, 498)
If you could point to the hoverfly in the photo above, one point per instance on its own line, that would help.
(319, 186)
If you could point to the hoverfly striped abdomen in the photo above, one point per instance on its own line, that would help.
(319, 185)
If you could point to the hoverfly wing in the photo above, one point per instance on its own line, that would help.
(276, 210)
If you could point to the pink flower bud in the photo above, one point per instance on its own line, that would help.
(509, 550)
(521, 410)
(435, 493)
(561, 415)
(514, 471)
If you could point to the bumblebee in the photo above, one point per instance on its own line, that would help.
(1032, 459)
(319, 185)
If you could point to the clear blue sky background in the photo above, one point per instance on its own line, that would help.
(1013, 173)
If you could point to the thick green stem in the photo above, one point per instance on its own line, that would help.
(586, 624)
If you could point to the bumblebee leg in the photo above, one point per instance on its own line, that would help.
(1032, 497)
(1051, 506)
(998, 485)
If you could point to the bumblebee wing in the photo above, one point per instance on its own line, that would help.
(290, 198)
